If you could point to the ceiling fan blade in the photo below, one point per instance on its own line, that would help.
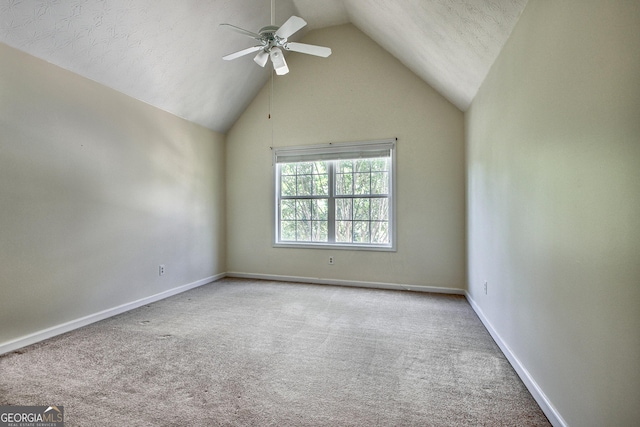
(308, 49)
(242, 53)
(262, 58)
(243, 31)
(292, 25)
(279, 64)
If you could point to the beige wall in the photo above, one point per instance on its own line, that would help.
(554, 204)
(359, 93)
(96, 190)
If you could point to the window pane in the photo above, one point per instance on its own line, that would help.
(288, 169)
(361, 232)
(288, 186)
(379, 165)
(321, 185)
(344, 209)
(303, 209)
(379, 209)
(305, 168)
(362, 184)
(320, 230)
(345, 166)
(363, 165)
(288, 230)
(304, 185)
(379, 232)
(303, 231)
(288, 209)
(344, 231)
(320, 207)
(361, 209)
(344, 184)
(320, 168)
(380, 183)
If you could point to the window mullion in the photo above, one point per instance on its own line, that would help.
(331, 207)
(370, 183)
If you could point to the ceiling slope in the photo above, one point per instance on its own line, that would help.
(168, 53)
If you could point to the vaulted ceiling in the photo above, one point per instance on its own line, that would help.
(168, 53)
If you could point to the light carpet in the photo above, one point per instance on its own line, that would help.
(259, 353)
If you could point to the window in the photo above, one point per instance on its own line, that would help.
(336, 195)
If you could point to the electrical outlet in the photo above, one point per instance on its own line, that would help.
(485, 287)
(330, 260)
(161, 270)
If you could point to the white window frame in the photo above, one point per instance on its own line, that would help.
(336, 151)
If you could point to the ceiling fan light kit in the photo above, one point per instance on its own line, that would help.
(279, 64)
(273, 40)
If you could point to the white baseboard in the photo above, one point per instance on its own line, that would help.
(96, 317)
(549, 410)
(353, 283)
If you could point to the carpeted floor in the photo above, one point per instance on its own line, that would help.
(258, 353)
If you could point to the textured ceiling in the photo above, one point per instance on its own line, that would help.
(168, 53)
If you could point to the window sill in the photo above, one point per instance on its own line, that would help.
(348, 247)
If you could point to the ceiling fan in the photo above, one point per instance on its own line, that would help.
(273, 39)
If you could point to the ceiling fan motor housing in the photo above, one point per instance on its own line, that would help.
(269, 38)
